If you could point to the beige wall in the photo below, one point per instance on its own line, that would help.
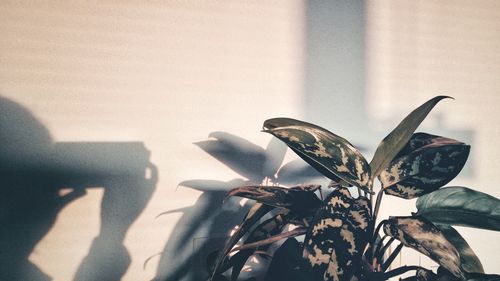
(420, 49)
(166, 73)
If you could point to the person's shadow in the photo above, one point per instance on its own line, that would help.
(205, 226)
(33, 171)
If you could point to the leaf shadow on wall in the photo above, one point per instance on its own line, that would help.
(39, 177)
(205, 226)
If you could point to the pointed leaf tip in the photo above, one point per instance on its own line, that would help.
(390, 146)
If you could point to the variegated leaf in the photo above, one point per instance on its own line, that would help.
(425, 164)
(301, 200)
(423, 274)
(423, 236)
(338, 235)
(397, 139)
(330, 154)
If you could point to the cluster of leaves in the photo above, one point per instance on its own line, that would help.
(342, 240)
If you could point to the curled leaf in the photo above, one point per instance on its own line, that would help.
(328, 153)
(425, 164)
(421, 235)
(301, 198)
(390, 146)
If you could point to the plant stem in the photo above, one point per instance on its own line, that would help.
(375, 233)
(380, 251)
(391, 258)
(400, 270)
(377, 205)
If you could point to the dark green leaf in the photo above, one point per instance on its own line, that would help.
(288, 264)
(266, 229)
(423, 236)
(468, 259)
(461, 206)
(482, 277)
(445, 275)
(300, 200)
(397, 139)
(330, 154)
(425, 164)
(257, 211)
(338, 235)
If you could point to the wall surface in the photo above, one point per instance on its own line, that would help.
(420, 49)
(164, 74)
(113, 113)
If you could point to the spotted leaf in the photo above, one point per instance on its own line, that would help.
(420, 234)
(425, 164)
(397, 139)
(301, 199)
(422, 274)
(337, 236)
(328, 153)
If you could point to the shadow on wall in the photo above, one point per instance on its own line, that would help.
(34, 170)
(205, 226)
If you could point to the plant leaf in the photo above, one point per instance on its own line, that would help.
(299, 200)
(423, 236)
(468, 259)
(422, 274)
(482, 277)
(266, 229)
(425, 164)
(288, 264)
(461, 206)
(337, 237)
(275, 238)
(397, 139)
(328, 153)
(255, 213)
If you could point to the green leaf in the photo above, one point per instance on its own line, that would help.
(300, 200)
(468, 259)
(266, 229)
(337, 236)
(288, 264)
(423, 236)
(425, 164)
(397, 139)
(328, 153)
(483, 277)
(255, 213)
(457, 205)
